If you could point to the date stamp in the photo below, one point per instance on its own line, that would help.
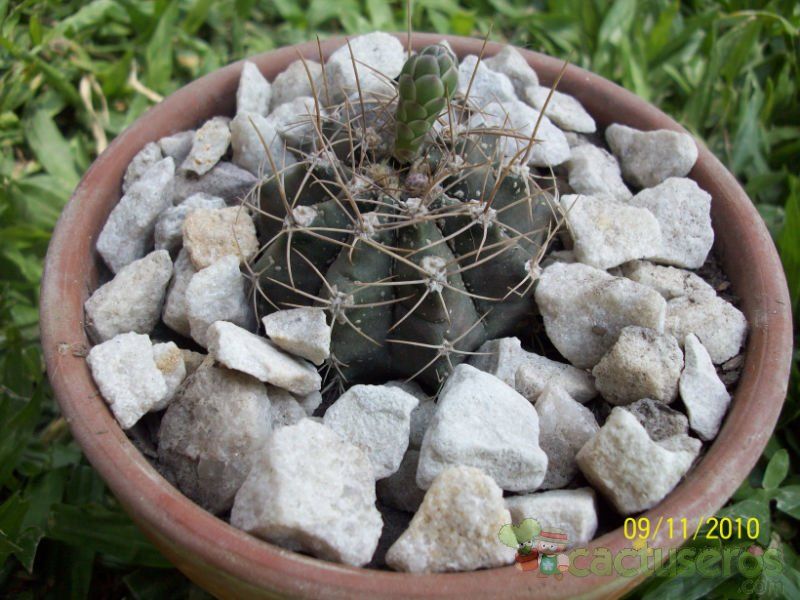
(710, 528)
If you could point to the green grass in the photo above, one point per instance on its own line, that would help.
(726, 70)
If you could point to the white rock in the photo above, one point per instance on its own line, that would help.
(683, 211)
(670, 282)
(719, 325)
(564, 427)
(649, 157)
(127, 376)
(295, 121)
(377, 419)
(643, 363)
(257, 147)
(294, 82)
(149, 155)
(422, 415)
(175, 313)
(400, 489)
(572, 511)
(225, 180)
(286, 410)
(607, 233)
(378, 58)
(702, 391)
(254, 93)
(631, 470)
(549, 149)
(330, 515)
(169, 227)
(594, 171)
(217, 293)
(456, 527)
(211, 434)
(482, 422)
(310, 402)
(238, 349)
(128, 232)
(562, 109)
(192, 360)
(169, 360)
(659, 420)
(209, 234)
(132, 300)
(300, 331)
(177, 146)
(482, 85)
(584, 310)
(210, 144)
(510, 63)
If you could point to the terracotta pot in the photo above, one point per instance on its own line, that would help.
(229, 563)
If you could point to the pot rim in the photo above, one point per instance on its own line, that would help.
(222, 558)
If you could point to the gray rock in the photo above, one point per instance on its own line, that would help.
(607, 233)
(683, 211)
(217, 293)
(400, 489)
(562, 109)
(378, 58)
(286, 410)
(456, 527)
(238, 349)
(377, 419)
(169, 227)
(211, 434)
(210, 144)
(510, 63)
(649, 157)
(702, 391)
(149, 155)
(175, 313)
(177, 146)
(330, 515)
(395, 522)
(594, 171)
(422, 415)
(192, 360)
(225, 180)
(127, 376)
(585, 309)
(294, 82)
(257, 146)
(719, 325)
(572, 511)
(128, 232)
(659, 420)
(132, 300)
(481, 85)
(169, 360)
(209, 234)
(670, 282)
(295, 121)
(254, 93)
(310, 402)
(300, 331)
(643, 363)
(482, 422)
(631, 470)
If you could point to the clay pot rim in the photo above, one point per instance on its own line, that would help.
(202, 545)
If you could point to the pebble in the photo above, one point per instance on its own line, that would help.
(254, 93)
(572, 511)
(719, 325)
(177, 146)
(659, 420)
(149, 155)
(293, 82)
(482, 85)
(422, 415)
(595, 172)
(562, 109)
(378, 57)
(702, 391)
(175, 314)
(209, 234)
(210, 144)
(294, 121)
(286, 410)
(670, 282)
(169, 227)
(257, 147)
(511, 63)
(169, 360)
(225, 180)
(300, 331)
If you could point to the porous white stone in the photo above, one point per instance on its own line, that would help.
(241, 350)
(192, 360)
(128, 232)
(210, 234)
(456, 527)
(310, 402)
(400, 490)
(564, 427)
(719, 325)
(210, 144)
(254, 93)
(217, 293)
(310, 490)
(225, 180)
(177, 146)
(562, 109)
(481, 85)
(510, 63)
(584, 309)
(175, 314)
(257, 146)
(549, 149)
(300, 331)
(630, 469)
(702, 391)
(169, 360)
(683, 211)
(132, 300)
(295, 120)
(572, 511)
(149, 155)
(212, 432)
(594, 171)
(294, 82)
(643, 363)
(377, 419)
(127, 376)
(607, 233)
(649, 157)
(421, 415)
(286, 410)
(169, 227)
(482, 422)
(378, 59)
(659, 420)
(670, 282)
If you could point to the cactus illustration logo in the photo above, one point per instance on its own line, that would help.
(537, 550)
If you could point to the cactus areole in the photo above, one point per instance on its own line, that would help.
(415, 231)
